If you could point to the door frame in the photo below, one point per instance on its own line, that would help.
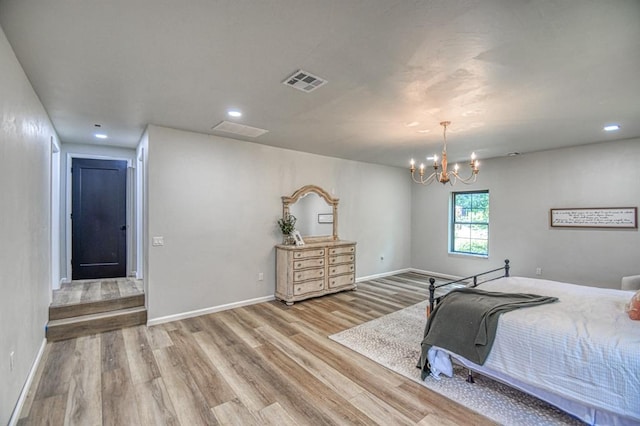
(129, 205)
(54, 196)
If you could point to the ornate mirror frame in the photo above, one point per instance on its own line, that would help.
(333, 202)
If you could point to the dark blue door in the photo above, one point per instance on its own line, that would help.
(98, 218)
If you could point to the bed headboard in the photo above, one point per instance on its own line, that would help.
(473, 281)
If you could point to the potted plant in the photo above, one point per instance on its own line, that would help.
(287, 225)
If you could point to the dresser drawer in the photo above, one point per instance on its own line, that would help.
(341, 280)
(342, 250)
(308, 287)
(303, 254)
(341, 269)
(308, 274)
(343, 258)
(308, 263)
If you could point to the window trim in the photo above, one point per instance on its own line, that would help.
(452, 224)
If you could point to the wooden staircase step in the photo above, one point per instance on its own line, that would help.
(84, 325)
(78, 309)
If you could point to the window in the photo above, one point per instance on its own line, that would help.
(470, 223)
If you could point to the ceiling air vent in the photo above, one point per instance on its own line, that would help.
(304, 81)
(239, 129)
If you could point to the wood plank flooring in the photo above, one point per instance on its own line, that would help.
(86, 291)
(86, 307)
(265, 364)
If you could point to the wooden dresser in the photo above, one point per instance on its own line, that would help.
(314, 269)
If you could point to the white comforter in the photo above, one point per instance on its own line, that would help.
(584, 347)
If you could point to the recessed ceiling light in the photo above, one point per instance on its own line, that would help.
(423, 131)
(611, 127)
(100, 136)
(413, 124)
(234, 113)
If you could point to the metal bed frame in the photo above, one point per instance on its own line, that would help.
(472, 280)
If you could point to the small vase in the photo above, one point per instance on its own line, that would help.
(288, 240)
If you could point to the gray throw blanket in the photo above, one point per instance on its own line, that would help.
(466, 319)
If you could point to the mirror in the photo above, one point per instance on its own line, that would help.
(316, 213)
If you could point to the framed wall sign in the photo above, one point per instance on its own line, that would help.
(609, 217)
(325, 218)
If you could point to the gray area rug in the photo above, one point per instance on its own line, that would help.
(394, 342)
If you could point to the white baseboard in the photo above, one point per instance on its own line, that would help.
(402, 271)
(25, 389)
(382, 275)
(435, 274)
(205, 311)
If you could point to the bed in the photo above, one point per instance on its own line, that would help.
(580, 353)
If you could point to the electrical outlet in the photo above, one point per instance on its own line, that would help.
(260, 276)
(538, 271)
(11, 360)
(157, 241)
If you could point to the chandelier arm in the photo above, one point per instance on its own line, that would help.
(468, 181)
(422, 180)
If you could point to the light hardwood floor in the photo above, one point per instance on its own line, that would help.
(266, 364)
(86, 291)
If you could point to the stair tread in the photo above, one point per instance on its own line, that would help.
(96, 302)
(97, 316)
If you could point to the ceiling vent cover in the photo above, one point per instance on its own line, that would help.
(239, 129)
(305, 81)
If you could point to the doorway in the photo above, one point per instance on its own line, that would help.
(98, 218)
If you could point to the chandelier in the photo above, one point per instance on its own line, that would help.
(444, 175)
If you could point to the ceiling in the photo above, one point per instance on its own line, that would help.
(511, 75)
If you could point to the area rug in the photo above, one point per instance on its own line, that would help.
(394, 342)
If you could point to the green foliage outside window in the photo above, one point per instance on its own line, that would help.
(470, 223)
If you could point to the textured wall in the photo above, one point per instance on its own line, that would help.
(216, 201)
(25, 145)
(522, 190)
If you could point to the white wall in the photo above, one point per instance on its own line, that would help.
(216, 201)
(25, 247)
(522, 190)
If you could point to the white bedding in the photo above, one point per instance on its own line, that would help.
(584, 348)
